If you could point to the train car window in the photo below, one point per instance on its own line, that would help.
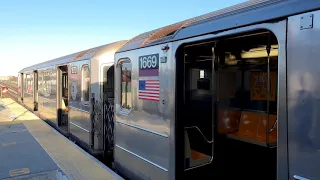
(199, 84)
(126, 93)
(65, 85)
(85, 84)
(201, 73)
(31, 84)
(19, 83)
(28, 84)
(36, 81)
(108, 81)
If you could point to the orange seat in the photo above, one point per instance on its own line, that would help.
(261, 136)
(253, 127)
(195, 155)
(228, 121)
(192, 157)
(248, 125)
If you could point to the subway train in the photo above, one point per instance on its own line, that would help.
(230, 94)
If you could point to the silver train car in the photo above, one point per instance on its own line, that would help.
(231, 94)
(67, 92)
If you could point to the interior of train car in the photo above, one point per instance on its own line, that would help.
(63, 98)
(227, 115)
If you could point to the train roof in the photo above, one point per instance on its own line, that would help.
(246, 13)
(82, 55)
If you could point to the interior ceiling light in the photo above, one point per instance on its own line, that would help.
(260, 52)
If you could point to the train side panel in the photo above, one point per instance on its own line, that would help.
(79, 107)
(144, 112)
(303, 95)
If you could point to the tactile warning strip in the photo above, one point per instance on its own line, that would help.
(74, 162)
(71, 160)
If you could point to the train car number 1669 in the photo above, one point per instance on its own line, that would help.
(149, 62)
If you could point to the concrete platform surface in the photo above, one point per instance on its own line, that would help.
(31, 149)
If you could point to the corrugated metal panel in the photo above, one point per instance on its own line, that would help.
(142, 36)
(160, 33)
(163, 32)
(236, 9)
(80, 55)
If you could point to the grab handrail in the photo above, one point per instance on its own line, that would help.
(209, 142)
(196, 127)
(273, 126)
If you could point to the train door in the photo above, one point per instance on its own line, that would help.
(228, 108)
(63, 97)
(35, 92)
(21, 85)
(195, 107)
(108, 104)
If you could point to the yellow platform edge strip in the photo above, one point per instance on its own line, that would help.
(72, 161)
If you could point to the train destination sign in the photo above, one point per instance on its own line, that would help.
(149, 65)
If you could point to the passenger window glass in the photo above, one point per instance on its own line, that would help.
(85, 83)
(201, 73)
(36, 81)
(105, 76)
(28, 84)
(126, 94)
(199, 85)
(108, 81)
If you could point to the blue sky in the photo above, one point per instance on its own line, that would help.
(33, 31)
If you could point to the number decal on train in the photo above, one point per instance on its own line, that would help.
(149, 65)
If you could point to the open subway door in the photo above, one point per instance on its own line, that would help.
(199, 105)
(229, 106)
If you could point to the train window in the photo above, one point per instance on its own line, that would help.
(126, 85)
(65, 85)
(108, 81)
(199, 83)
(201, 73)
(85, 89)
(36, 80)
(28, 84)
(19, 82)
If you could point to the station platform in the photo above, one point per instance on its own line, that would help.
(31, 149)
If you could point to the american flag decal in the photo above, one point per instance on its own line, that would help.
(149, 90)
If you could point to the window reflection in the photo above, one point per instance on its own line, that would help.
(28, 84)
(108, 81)
(126, 86)
(85, 83)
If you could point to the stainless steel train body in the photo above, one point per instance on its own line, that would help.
(62, 91)
(224, 95)
(151, 101)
